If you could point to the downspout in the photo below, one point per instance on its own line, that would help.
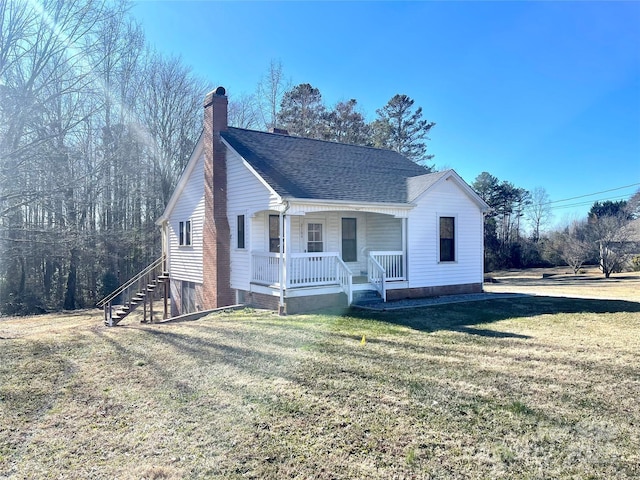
(282, 265)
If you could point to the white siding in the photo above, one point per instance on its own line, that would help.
(384, 232)
(374, 232)
(296, 242)
(185, 262)
(360, 265)
(260, 232)
(330, 220)
(246, 196)
(332, 241)
(424, 268)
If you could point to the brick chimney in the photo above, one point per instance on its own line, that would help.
(216, 236)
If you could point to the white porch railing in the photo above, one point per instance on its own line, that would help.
(345, 278)
(265, 268)
(377, 277)
(312, 269)
(327, 268)
(392, 263)
(304, 269)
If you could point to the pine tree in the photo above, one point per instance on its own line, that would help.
(301, 111)
(400, 128)
(345, 124)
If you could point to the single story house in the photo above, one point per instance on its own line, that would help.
(295, 224)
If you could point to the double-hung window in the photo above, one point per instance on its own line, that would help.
(240, 232)
(447, 236)
(184, 236)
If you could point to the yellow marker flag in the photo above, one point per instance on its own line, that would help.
(363, 341)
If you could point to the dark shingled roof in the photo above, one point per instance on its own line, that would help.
(297, 167)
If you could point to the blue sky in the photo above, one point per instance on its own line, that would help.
(537, 93)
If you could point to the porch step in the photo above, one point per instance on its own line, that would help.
(365, 297)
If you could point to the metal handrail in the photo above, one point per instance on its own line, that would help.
(130, 282)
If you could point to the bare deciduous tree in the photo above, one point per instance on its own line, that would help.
(574, 245)
(538, 211)
(171, 111)
(244, 112)
(633, 205)
(269, 93)
(94, 132)
(612, 235)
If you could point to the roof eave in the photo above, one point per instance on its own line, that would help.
(318, 201)
(249, 167)
(452, 174)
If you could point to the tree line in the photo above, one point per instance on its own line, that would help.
(517, 231)
(608, 237)
(95, 127)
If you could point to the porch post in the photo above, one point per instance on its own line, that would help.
(165, 312)
(281, 264)
(404, 248)
(287, 237)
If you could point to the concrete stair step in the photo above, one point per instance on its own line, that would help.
(363, 297)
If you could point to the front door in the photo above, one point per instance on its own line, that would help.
(316, 269)
(315, 237)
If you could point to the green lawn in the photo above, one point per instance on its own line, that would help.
(520, 388)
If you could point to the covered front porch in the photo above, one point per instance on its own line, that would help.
(309, 250)
(385, 270)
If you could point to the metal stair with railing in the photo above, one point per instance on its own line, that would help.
(142, 289)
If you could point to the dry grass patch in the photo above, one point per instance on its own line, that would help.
(532, 388)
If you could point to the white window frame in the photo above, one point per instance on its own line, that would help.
(244, 231)
(456, 234)
(305, 233)
(185, 233)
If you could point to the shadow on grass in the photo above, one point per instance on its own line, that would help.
(462, 317)
(481, 332)
(566, 280)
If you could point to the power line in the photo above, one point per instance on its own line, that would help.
(589, 202)
(591, 194)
